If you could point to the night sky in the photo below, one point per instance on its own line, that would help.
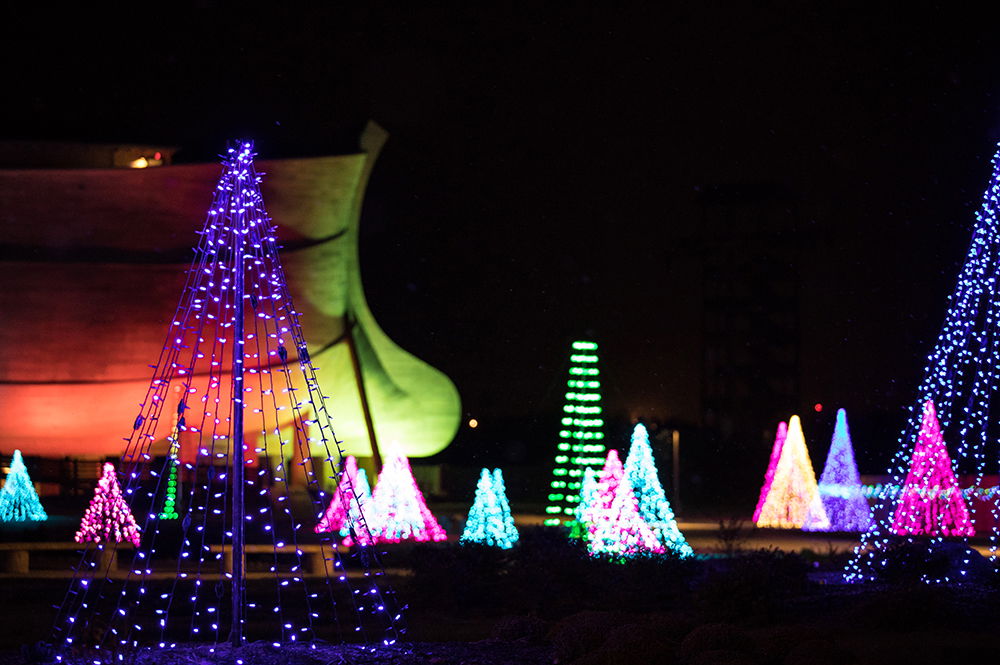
(541, 177)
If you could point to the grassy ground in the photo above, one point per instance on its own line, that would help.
(749, 605)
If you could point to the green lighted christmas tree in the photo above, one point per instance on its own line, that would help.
(169, 511)
(581, 437)
(490, 521)
(640, 469)
(18, 500)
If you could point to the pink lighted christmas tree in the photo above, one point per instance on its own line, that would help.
(108, 518)
(772, 464)
(615, 525)
(350, 500)
(398, 507)
(931, 502)
(599, 497)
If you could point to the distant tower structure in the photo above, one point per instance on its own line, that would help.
(750, 329)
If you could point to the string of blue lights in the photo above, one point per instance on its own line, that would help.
(183, 577)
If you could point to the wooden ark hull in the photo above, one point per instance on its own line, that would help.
(93, 266)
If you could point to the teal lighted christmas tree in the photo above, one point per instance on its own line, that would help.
(18, 499)
(490, 521)
(581, 436)
(500, 488)
(640, 469)
(588, 493)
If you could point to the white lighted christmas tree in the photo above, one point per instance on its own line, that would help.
(235, 381)
(399, 511)
(794, 493)
(960, 379)
(640, 469)
(489, 521)
(108, 518)
(18, 500)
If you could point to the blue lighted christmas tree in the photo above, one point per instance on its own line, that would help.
(581, 435)
(840, 487)
(236, 370)
(960, 379)
(640, 469)
(18, 499)
(490, 521)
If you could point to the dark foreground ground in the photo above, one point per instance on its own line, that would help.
(546, 602)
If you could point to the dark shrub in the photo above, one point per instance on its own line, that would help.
(916, 559)
(456, 576)
(721, 657)
(583, 633)
(638, 643)
(908, 608)
(752, 585)
(819, 652)
(527, 628)
(715, 637)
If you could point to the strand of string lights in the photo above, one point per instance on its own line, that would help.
(960, 378)
(167, 594)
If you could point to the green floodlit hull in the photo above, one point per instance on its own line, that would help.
(93, 269)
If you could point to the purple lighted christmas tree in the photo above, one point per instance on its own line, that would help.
(108, 518)
(234, 384)
(840, 487)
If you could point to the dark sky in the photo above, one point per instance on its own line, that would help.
(542, 171)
